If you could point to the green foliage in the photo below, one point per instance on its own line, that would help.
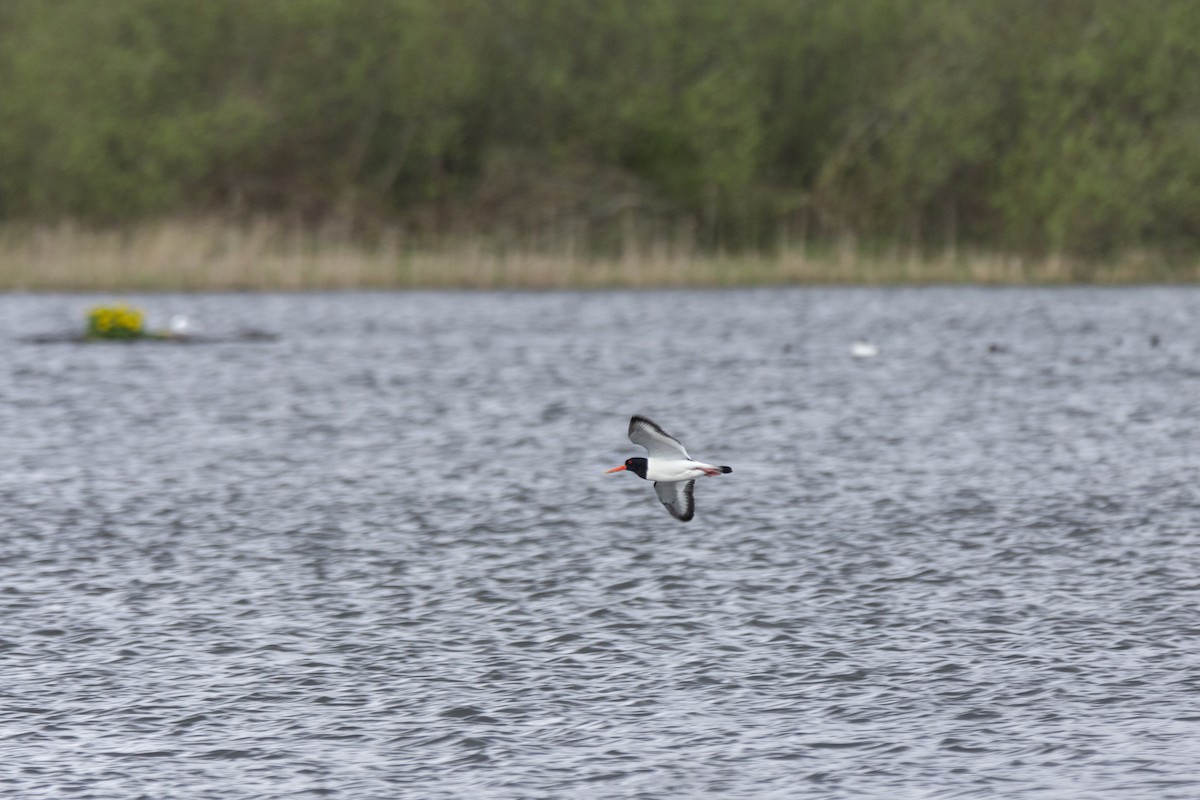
(1053, 127)
(1066, 127)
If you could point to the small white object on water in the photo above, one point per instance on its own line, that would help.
(863, 350)
(178, 325)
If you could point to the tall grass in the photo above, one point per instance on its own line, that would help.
(216, 255)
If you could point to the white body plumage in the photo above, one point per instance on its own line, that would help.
(670, 471)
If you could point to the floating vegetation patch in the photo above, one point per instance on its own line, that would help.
(123, 323)
(116, 322)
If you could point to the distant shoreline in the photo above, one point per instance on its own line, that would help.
(212, 255)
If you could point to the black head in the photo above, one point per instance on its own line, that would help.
(637, 466)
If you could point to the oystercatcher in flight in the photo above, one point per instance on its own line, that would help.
(670, 467)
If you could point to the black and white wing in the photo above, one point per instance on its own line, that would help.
(677, 497)
(658, 443)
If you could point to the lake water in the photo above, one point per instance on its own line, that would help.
(379, 559)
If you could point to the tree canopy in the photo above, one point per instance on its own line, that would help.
(1071, 126)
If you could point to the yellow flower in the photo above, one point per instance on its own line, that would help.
(119, 321)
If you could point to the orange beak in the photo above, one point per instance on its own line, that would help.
(614, 469)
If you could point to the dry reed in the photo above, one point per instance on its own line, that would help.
(215, 255)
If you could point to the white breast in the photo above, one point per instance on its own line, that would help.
(675, 470)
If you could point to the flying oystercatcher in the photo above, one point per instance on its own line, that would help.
(670, 467)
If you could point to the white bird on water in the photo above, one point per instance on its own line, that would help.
(863, 349)
(179, 325)
(673, 471)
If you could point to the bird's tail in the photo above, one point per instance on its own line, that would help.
(726, 470)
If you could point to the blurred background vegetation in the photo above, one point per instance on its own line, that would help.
(1012, 126)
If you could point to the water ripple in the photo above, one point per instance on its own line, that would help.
(377, 558)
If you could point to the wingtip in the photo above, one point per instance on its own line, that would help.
(639, 419)
(690, 491)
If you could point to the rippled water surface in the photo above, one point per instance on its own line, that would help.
(378, 558)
